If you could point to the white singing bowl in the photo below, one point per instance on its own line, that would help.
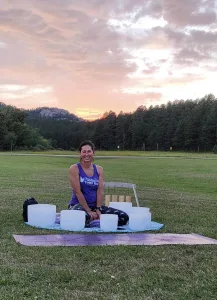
(124, 206)
(139, 222)
(108, 222)
(73, 220)
(42, 215)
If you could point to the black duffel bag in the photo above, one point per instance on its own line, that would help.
(26, 203)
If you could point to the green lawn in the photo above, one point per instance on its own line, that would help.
(182, 194)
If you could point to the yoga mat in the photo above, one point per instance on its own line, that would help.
(95, 228)
(113, 239)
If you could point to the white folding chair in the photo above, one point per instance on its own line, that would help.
(119, 185)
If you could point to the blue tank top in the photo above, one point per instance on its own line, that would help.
(89, 186)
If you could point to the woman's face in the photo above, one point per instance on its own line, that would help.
(86, 153)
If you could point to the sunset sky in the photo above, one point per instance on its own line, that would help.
(93, 56)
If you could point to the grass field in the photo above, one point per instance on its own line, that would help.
(124, 153)
(182, 194)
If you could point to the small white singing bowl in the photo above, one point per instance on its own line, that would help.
(108, 222)
(42, 215)
(73, 220)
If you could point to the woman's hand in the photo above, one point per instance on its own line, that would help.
(93, 215)
(98, 213)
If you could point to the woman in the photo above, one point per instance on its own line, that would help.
(88, 187)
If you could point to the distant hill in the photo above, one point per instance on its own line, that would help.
(48, 112)
(51, 112)
(2, 104)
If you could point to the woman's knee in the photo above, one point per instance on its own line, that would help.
(123, 219)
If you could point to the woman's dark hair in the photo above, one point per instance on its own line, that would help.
(87, 142)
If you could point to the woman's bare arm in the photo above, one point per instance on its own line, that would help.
(100, 190)
(75, 183)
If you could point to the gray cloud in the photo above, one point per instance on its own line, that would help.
(189, 12)
(191, 56)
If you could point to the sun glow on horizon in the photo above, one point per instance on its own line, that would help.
(88, 114)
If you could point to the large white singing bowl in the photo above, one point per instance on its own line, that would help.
(124, 206)
(108, 222)
(140, 210)
(73, 220)
(139, 222)
(42, 215)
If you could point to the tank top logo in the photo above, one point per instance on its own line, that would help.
(89, 181)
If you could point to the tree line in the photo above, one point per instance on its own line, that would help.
(186, 125)
(15, 133)
(189, 125)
